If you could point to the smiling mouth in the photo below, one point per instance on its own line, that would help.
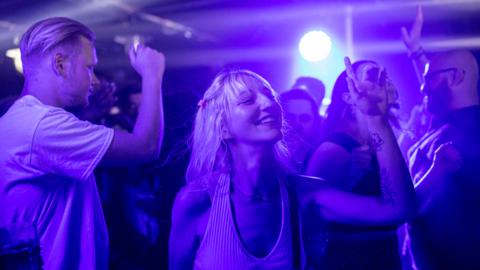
(268, 120)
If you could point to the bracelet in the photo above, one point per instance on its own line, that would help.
(416, 54)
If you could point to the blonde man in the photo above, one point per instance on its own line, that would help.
(48, 155)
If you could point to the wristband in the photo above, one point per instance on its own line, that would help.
(416, 54)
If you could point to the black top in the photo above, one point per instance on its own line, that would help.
(369, 184)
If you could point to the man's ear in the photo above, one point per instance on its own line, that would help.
(59, 64)
(458, 77)
(347, 98)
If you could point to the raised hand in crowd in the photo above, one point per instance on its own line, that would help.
(411, 39)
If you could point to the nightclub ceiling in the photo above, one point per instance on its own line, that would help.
(206, 31)
(200, 36)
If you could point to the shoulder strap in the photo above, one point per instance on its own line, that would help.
(344, 140)
(294, 222)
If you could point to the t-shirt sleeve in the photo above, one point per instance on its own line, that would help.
(64, 145)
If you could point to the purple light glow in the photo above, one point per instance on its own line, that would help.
(315, 46)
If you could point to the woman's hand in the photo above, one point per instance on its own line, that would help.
(367, 89)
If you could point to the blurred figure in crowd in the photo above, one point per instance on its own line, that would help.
(135, 204)
(313, 86)
(303, 126)
(128, 192)
(100, 102)
(126, 111)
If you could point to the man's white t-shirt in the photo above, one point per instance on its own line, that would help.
(47, 159)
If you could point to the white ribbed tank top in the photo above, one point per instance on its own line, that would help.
(221, 247)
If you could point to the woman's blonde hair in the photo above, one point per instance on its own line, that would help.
(210, 153)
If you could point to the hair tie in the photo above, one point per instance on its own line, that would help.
(416, 54)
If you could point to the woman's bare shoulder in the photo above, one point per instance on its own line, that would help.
(193, 199)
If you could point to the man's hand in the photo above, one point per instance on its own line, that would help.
(412, 39)
(147, 61)
(143, 144)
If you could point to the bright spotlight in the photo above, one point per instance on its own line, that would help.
(315, 46)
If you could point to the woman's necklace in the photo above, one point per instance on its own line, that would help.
(258, 197)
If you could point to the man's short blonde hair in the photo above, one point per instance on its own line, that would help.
(51, 33)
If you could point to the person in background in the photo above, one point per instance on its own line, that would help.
(128, 192)
(303, 131)
(48, 155)
(444, 163)
(314, 87)
(346, 160)
(100, 102)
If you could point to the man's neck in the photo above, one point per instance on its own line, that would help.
(41, 90)
(461, 97)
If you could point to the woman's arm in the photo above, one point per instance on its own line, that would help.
(339, 167)
(189, 217)
(330, 162)
(397, 201)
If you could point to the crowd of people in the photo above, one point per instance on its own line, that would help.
(270, 183)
